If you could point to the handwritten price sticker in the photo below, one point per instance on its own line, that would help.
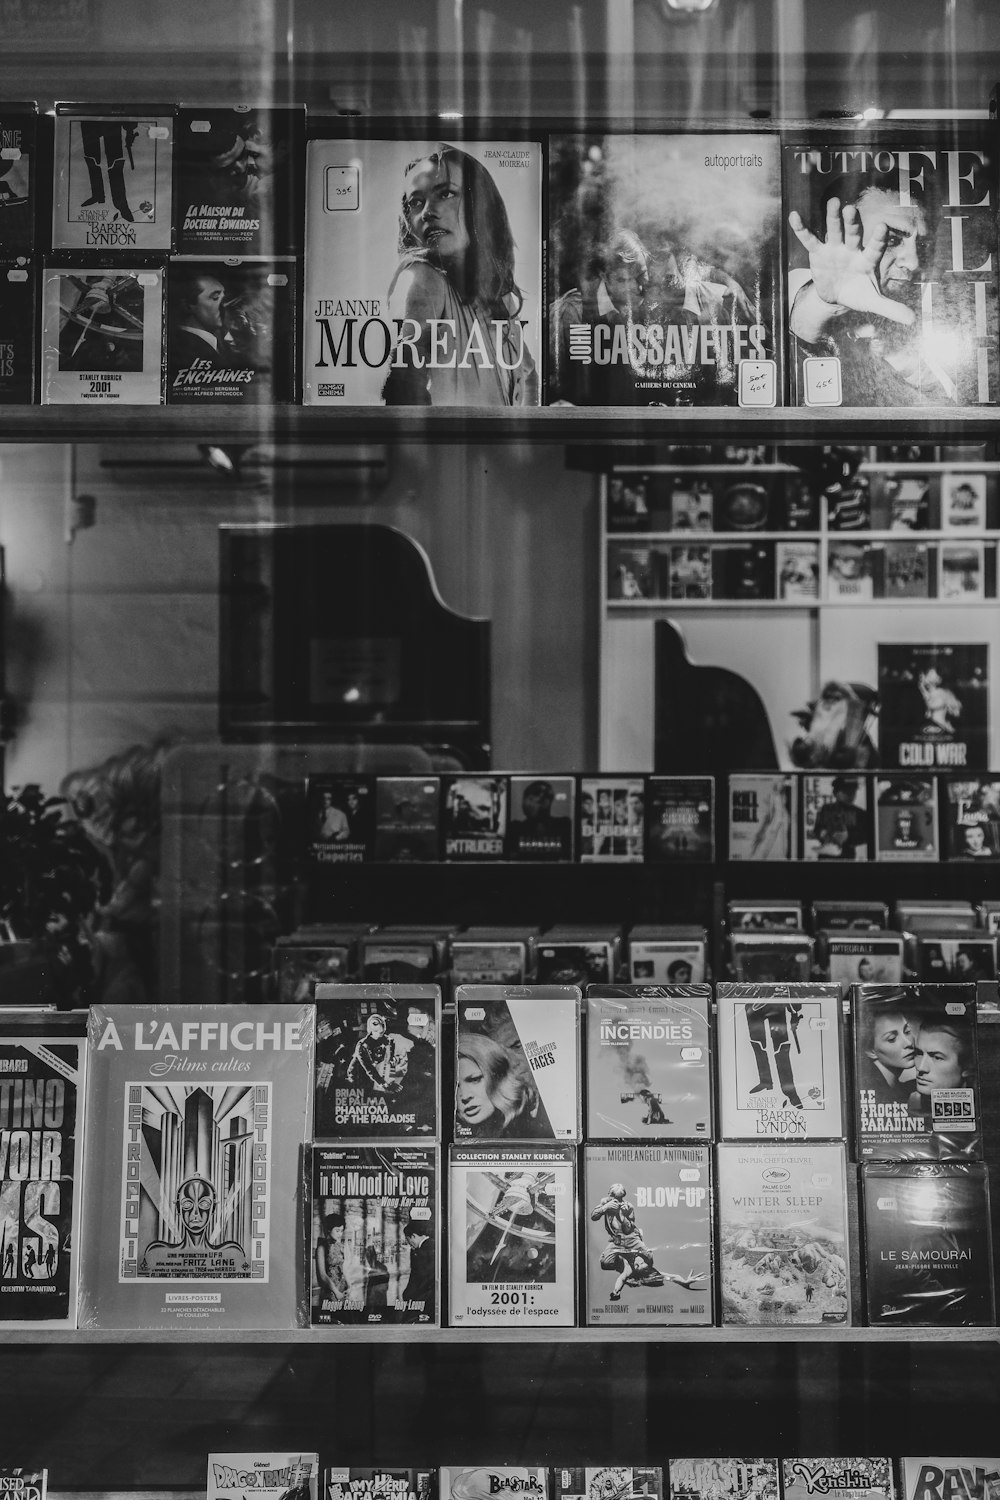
(822, 382)
(341, 189)
(758, 382)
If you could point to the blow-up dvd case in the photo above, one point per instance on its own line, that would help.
(916, 1072)
(724, 1478)
(950, 1478)
(649, 1075)
(18, 177)
(197, 1116)
(648, 1235)
(113, 177)
(102, 333)
(665, 277)
(423, 273)
(779, 1061)
(231, 331)
(375, 1244)
(513, 1236)
(847, 1478)
(608, 1483)
(379, 1484)
(238, 179)
(263, 1476)
(517, 1063)
(377, 1061)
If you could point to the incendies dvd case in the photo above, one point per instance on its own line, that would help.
(608, 1483)
(648, 1235)
(906, 819)
(612, 813)
(512, 1213)
(783, 1248)
(474, 817)
(19, 284)
(18, 178)
(542, 818)
(238, 179)
(517, 1063)
(379, 1484)
(231, 331)
(407, 819)
(375, 1258)
(263, 1476)
(950, 1478)
(846, 1478)
(724, 1479)
(850, 957)
(423, 273)
(664, 270)
(340, 820)
(377, 1061)
(680, 819)
(835, 824)
(892, 267)
(102, 333)
(42, 1095)
(649, 1075)
(971, 813)
(779, 1050)
(112, 177)
(197, 1116)
(489, 1481)
(934, 707)
(762, 814)
(927, 1246)
(916, 1072)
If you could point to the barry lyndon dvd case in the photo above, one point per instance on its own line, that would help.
(377, 1061)
(102, 332)
(724, 1478)
(238, 179)
(649, 1073)
(197, 1116)
(779, 1050)
(265, 1476)
(517, 1063)
(847, 1478)
(112, 177)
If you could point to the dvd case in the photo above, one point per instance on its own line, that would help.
(762, 813)
(860, 958)
(648, 1063)
(950, 1478)
(779, 1050)
(19, 282)
(542, 818)
(860, 916)
(491, 955)
(971, 818)
(474, 817)
(835, 818)
(906, 818)
(18, 178)
(724, 1479)
(113, 177)
(238, 179)
(407, 819)
(764, 914)
(102, 333)
(264, 1476)
(847, 1478)
(231, 331)
(611, 820)
(680, 819)
(377, 1061)
(667, 955)
(771, 957)
(23, 1484)
(340, 819)
(517, 1066)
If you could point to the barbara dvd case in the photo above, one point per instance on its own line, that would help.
(934, 707)
(779, 1050)
(517, 1063)
(340, 820)
(971, 810)
(113, 177)
(783, 1246)
(512, 1211)
(916, 1072)
(612, 812)
(724, 1479)
(197, 1116)
(542, 818)
(649, 1073)
(231, 331)
(648, 1235)
(238, 179)
(847, 1478)
(928, 1259)
(379, 1484)
(423, 272)
(18, 178)
(102, 333)
(608, 1483)
(474, 817)
(762, 814)
(375, 1240)
(680, 819)
(19, 282)
(835, 818)
(407, 819)
(377, 1061)
(950, 1478)
(263, 1476)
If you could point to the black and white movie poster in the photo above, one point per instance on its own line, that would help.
(18, 182)
(112, 179)
(238, 180)
(971, 810)
(664, 276)
(542, 815)
(934, 707)
(231, 331)
(102, 334)
(18, 311)
(779, 1061)
(377, 1061)
(340, 819)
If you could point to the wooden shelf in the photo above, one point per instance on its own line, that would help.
(433, 1336)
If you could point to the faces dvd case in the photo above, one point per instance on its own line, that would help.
(375, 1236)
(860, 958)
(927, 1251)
(771, 957)
(231, 331)
(906, 818)
(512, 1211)
(680, 819)
(379, 1484)
(916, 1070)
(835, 818)
(197, 1116)
(645, 1483)
(648, 1235)
(407, 819)
(517, 1064)
(542, 818)
(475, 817)
(264, 1476)
(423, 273)
(377, 1061)
(971, 811)
(762, 813)
(847, 1478)
(724, 1478)
(19, 283)
(113, 177)
(612, 811)
(102, 334)
(238, 180)
(340, 820)
(489, 1481)
(18, 177)
(667, 955)
(934, 707)
(779, 1050)
(950, 1478)
(649, 1071)
(783, 1248)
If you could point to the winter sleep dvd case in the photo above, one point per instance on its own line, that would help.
(513, 1236)
(489, 1481)
(102, 334)
(377, 1061)
(18, 177)
(648, 1235)
(608, 1483)
(423, 273)
(724, 1478)
(265, 1476)
(379, 1484)
(847, 1478)
(950, 1478)
(779, 1061)
(648, 1063)
(517, 1066)
(916, 1071)
(18, 312)
(231, 331)
(926, 1228)
(762, 812)
(892, 269)
(665, 283)
(113, 177)
(375, 1235)
(238, 180)
(196, 1122)
(680, 823)
(42, 1091)
(783, 1255)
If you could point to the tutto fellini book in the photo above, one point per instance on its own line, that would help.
(648, 1063)
(846, 1478)
(263, 1476)
(779, 1061)
(724, 1478)
(950, 1478)
(197, 1116)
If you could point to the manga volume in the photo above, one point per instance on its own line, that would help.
(23, 1484)
(379, 1484)
(648, 1063)
(779, 1061)
(680, 824)
(762, 813)
(231, 331)
(263, 1476)
(340, 819)
(489, 1481)
(18, 177)
(102, 333)
(846, 1478)
(517, 1072)
(724, 1478)
(113, 177)
(238, 180)
(407, 818)
(951, 1478)
(377, 1061)
(934, 707)
(19, 282)
(606, 1483)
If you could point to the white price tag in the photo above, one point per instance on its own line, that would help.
(823, 386)
(758, 382)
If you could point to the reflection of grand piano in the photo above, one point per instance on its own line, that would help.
(708, 720)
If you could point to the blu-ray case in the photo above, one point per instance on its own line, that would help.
(340, 820)
(762, 817)
(779, 1051)
(517, 1063)
(407, 819)
(378, 1061)
(649, 1075)
(19, 288)
(18, 178)
(854, 957)
(112, 178)
(680, 819)
(102, 332)
(231, 330)
(238, 179)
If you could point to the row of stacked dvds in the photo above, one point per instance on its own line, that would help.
(684, 269)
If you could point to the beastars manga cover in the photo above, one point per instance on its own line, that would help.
(491, 1481)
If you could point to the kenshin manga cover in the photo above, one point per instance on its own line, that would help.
(648, 1235)
(846, 1478)
(423, 273)
(340, 820)
(263, 1476)
(18, 311)
(102, 334)
(238, 180)
(783, 1256)
(950, 1478)
(608, 1483)
(680, 824)
(375, 1235)
(490, 1481)
(512, 1236)
(113, 177)
(42, 1090)
(664, 280)
(517, 1073)
(377, 1061)
(231, 332)
(892, 294)
(18, 168)
(779, 1061)
(649, 1076)
(724, 1478)
(379, 1484)
(196, 1120)
(916, 1071)
(934, 707)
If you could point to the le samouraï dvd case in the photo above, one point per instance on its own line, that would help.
(231, 330)
(845, 1478)
(512, 1236)
(779, 1061)
(664, 270)
(517, 1063)
(649, 1074)
(375, 1235)
(238, 179)
(263, 1475)
(196, 1122)
(379, 1484)
(957, 1478)
(423, 273)
(648, 1235)
(724, 1478)
(609, 1482)
(102, 333)
(113, 177)
(377, 1061)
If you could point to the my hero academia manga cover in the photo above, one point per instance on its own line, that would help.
(379, 1484)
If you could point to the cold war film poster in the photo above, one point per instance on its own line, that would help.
(112, 180)
(231, 331)
(102, 334)
(934, 707)
(648, 1063)
(263, 1476)
(379, 1484)
(950, 1478)
(724, 1478)
(238, 180)
(375, 1239)
(892, 268)
(517, 1070)
(847, 1478)
(377, 1061)
(779, 1061)
(423, 273)
(197, 1119)
(42, 1090)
